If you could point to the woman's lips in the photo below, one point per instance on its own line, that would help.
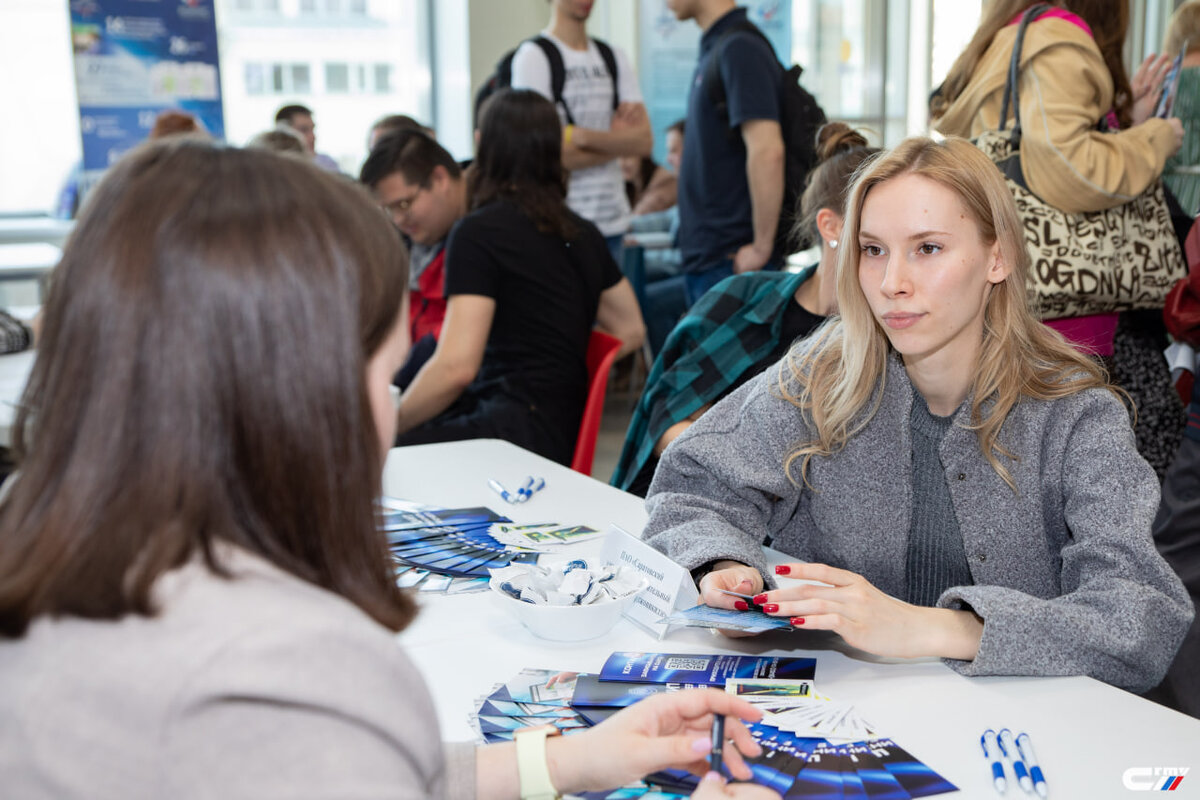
(901, 321)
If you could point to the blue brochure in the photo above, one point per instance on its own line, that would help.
(704, 670)
(590, 690)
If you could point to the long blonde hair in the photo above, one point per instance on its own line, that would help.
(844, 364)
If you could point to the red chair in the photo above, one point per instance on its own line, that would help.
(602, 350)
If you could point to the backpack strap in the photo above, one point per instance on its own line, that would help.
(712, 69)
(558, 73)
(610, 62)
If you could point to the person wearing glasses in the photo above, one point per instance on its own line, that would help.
(422, 188)
(526, 280)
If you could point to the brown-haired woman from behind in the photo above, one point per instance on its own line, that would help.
(194, 597)
(750, 319)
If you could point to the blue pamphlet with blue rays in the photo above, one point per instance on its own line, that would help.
(705, 670)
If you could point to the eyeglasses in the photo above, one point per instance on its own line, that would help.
(402, 205)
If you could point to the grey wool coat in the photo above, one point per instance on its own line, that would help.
(1066, 576)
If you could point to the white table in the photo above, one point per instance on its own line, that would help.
(14, 374)
(28, 261)
(1086, 733)
(37, 228)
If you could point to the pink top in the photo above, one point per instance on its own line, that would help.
(1092, 334)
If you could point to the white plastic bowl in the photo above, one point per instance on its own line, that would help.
(568, 623)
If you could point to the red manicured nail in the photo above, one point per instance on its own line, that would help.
(740, 605)
(771, 608)
(783, 569)
(797, 620)
(759, 599)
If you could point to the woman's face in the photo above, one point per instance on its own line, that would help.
(925, 271)
(381, 367)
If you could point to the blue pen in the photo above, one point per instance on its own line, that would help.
(1025, 748)
(991, 751)
(534, 488)
(496, 487)
(1009, 748)
(523, 491)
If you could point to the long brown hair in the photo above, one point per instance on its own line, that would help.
(201, 378)
(520, 160)
(1108, 19)
(833, 376)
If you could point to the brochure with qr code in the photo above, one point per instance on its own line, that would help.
(706, 670)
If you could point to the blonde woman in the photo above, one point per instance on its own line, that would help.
(962, 482)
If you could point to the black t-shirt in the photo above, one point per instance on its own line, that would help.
(546, 292)
(714, 195)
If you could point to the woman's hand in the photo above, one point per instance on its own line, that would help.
(1146, 86)
(664, 731)
(714, 787)
(730, 576)
(870, 620)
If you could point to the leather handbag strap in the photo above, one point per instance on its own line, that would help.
(1011, 90)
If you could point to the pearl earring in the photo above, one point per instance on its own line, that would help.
(833, 244)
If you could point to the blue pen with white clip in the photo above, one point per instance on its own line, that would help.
(534, 488)
(499, 489)
(991, 751)
(524, 492)
(1008, 746)
(1025, 748)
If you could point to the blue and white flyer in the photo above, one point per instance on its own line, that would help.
(135, 59)
(706, 670)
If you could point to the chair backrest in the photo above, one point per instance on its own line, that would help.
(602, 350)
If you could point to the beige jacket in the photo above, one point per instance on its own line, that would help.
(261, 686)
(1065, 89)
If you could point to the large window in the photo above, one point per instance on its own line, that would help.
(351, 61)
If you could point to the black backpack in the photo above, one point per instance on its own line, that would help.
(800, 117)
(501, 77)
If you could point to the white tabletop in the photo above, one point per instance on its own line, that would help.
(34, 229)
(28, 260)
(1086, 733)
(14, 374)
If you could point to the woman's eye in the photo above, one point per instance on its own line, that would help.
(872, 249)
(929, 248)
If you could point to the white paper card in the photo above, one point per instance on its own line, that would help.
(670, 586)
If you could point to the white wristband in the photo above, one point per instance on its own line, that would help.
(532, 768)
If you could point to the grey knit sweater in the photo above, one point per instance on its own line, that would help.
(1066, 577)
(936, 559)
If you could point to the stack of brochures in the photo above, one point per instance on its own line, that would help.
(450, 550)
(813, 746)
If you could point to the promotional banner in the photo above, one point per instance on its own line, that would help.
(135, 59)
(669, 49)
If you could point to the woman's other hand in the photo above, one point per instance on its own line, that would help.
(1146, 86)
(666, 731)
(714, 787)
(849, 605)
(1177, 129)
(732, 577)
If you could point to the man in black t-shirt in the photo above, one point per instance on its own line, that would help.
(731, 176)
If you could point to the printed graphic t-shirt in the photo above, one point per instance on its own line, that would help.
(597, 193)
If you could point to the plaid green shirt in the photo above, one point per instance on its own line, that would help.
(718, 345)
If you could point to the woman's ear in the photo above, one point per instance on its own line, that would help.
(829, 224)
(998, 266)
